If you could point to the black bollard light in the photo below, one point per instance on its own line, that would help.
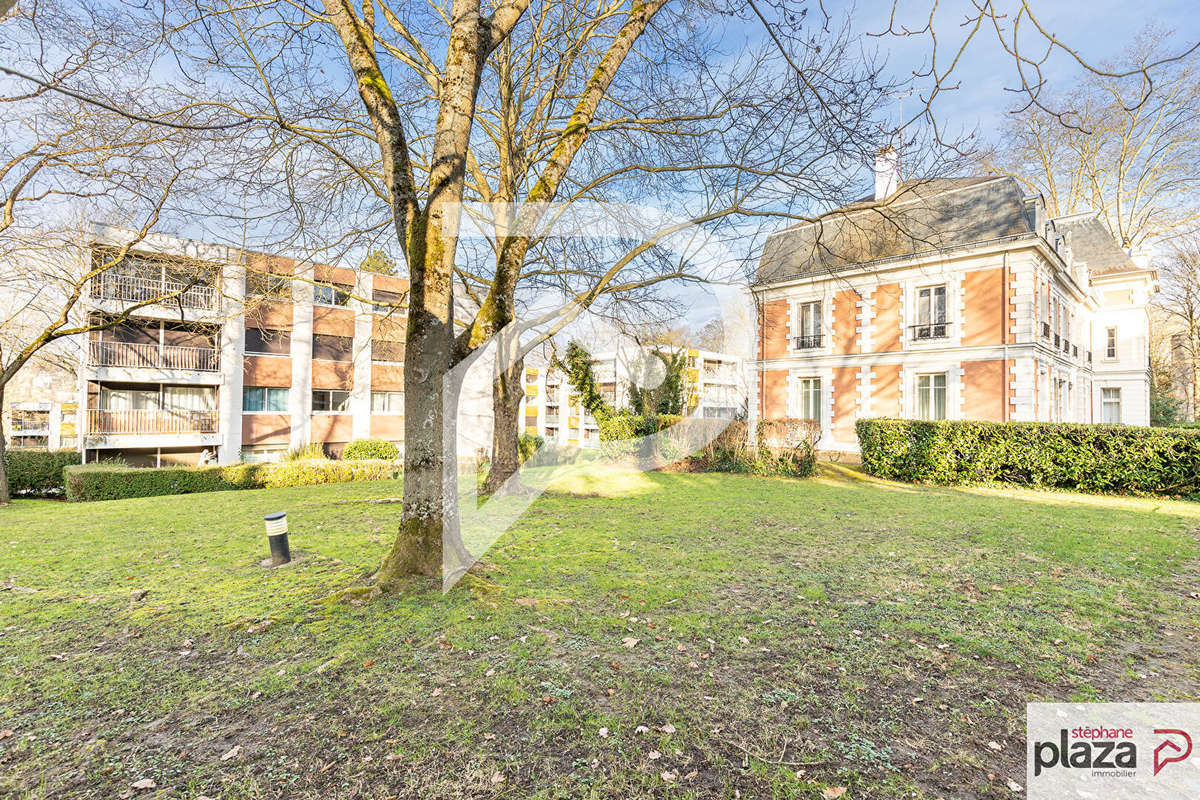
(277, 538)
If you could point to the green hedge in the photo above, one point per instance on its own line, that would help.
(371, 448)
(1092, 458)
(37, 472)
(109, 482)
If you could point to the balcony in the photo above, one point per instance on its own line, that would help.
(807, 342)
(149, 421)
(152, 356)
(552, 419)
(929, 331)
(130, 289)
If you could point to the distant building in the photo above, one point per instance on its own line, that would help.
(714, 386)
(950, 299)
(261, 354)
(41, 408)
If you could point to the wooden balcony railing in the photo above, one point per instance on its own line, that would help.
(128, 354)
(132, 289)
(149, 421)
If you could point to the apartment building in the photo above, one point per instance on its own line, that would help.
(714, 386)
(253, 355)
(950, 299)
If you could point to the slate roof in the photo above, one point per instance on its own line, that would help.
(922, 215)
(1092, 244)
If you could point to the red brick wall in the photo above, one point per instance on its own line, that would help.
(885, 390)
(885, 329)
(984, 309)
(983, 390)
(773, 393)
(845, 402)
(267, 371)
(845, 321)
(266, 428)
(773, 328)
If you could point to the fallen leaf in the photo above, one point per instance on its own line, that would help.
(498, 777)
(667, 776)
(691, 775)
(436, 693)
(1013, 785)
(234, 752)
(641, 729)
(393, 757)
(603, 733)
(629, 642)
(995, 746)
(654, 755)
(487, 737)
(668, 728)
(144, 783)
(833, 792)
(369, 663)
(6, 733)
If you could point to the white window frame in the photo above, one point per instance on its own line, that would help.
(810, 398)
(930, 378)
(391, 400)
(1106, 402)
(932, 319)
(266, 392)
(334, 408)
(815, 326)
(1112, 345)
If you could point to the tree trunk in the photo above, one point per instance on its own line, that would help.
(507, 391)
(5, 497)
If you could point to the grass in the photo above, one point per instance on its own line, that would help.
(791, 636)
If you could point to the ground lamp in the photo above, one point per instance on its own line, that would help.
(277, 538)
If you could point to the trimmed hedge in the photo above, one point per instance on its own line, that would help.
(111, 482)
(37, 472)
(1091, 458)
(371, 448)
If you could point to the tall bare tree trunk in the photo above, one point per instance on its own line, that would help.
(507, 391)
(5, 496)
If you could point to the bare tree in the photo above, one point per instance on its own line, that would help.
(1179, 300)
(63, 159)
(1131, 149)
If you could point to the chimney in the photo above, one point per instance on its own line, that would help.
(887, 172)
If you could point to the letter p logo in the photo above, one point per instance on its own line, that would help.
(1181, 753)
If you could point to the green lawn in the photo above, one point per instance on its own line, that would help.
(671, 635)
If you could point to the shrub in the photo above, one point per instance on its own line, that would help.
(371, 448)
(1092, 458)
(305, 452)
(784, 447)
(621, 431)
(109, 482)
(37, 472)
(527, 445)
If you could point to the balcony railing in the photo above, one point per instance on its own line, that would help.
(552, 419)
(808, 342)
(930, 330)
(150, 421)
(132, 289)
(129, 354)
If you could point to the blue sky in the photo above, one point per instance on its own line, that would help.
(1099, 29)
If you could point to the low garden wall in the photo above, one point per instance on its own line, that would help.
(1091, 458)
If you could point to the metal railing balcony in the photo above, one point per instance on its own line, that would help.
(132, 289)
(129, 354)
(552, 419)
(929, 330)
(149, 421)
(808, 342)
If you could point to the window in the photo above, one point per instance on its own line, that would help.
(331, 294)
(387, 402)
(330, 400)
(263, 455)
(383, 350)
(30, 420)
(331, 348)
(265, 340)
(1110, 401)
(1110, 342)
(809, 405)
(810, 326)
(931, 313)
(264, 398)
(387, 302)
(931, 396)
(265, 284)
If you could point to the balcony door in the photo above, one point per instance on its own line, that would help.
(128, 399)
